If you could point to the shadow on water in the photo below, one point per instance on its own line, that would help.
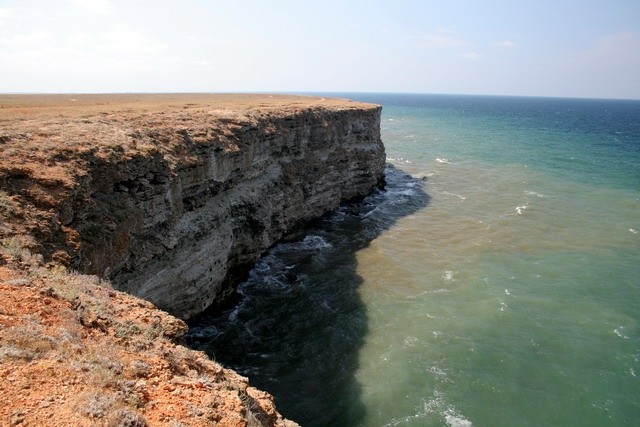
(300, 323)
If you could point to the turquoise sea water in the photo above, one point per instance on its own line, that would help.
(495, 282)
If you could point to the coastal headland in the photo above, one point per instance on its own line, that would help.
(116, 209)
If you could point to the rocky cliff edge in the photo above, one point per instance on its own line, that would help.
(168, 197)
(174, 198)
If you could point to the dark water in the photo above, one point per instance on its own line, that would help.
(300, 325)
(495, 282)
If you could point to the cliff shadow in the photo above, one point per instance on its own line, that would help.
(300, 323)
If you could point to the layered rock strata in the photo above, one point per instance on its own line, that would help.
(174, 197)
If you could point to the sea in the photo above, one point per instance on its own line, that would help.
(494, 281)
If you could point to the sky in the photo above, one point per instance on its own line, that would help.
(561, 48)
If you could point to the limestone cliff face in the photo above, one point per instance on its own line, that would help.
(181, 202)
(192, 231)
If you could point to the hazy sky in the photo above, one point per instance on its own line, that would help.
(581, 48)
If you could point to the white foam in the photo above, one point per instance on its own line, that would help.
(443, 161)
(533, 193)
(455, 195)
(435, 406)
(429, 407)
(457, 421)
(618, 332)
(410, 341)
(314, 242)
(438, 371)
(634, 231)
(448, 275)
(398, 159)
(520, 209)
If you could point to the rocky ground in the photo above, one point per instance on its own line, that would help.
(74, 352)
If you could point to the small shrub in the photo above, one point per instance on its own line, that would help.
(7, 206)
(253, 411)
(134, 399)
(153, 332)
(126, 418)
(195, 411)
(127, 329)
(11, 247)
(19, 282)
(26, 342)
(69, 285)
(58, 283)
(94, 404)
(181, 360)
(104, 372)
(13, 352)
(139, 369)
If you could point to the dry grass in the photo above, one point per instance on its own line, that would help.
(25, 106)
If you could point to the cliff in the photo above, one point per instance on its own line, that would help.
(167, 197)
(174, 198)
